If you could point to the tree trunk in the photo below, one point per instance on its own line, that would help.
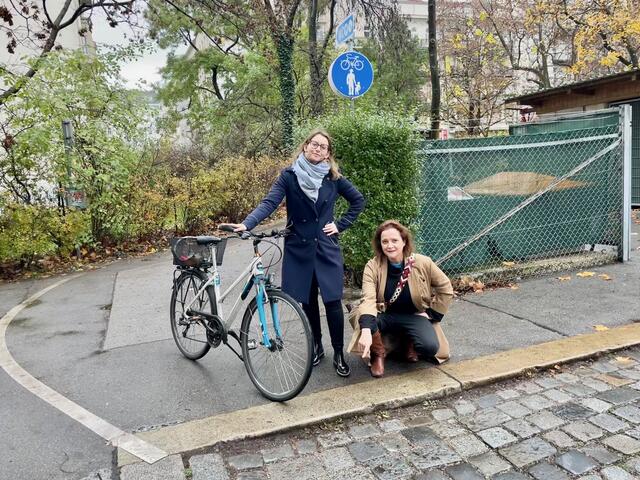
(435, 71)
(287, 88)
(316, 98)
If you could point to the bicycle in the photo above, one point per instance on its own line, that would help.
(352, 61)
(276, 342)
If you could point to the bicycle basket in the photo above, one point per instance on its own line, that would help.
(188, 253)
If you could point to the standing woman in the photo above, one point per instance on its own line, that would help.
(312, 256)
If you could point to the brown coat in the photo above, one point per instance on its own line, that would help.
(429, 287)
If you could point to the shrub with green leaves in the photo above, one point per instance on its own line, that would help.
(377, 154)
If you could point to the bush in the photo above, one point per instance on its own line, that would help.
(377, 154)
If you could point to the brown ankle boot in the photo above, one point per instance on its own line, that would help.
(411, 355)
(377, 355)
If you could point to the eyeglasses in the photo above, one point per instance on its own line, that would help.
(322, 146)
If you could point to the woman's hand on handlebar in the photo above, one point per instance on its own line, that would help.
(237, 227)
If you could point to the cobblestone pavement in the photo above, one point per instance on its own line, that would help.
(577, 421)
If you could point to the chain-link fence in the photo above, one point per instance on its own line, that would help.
(548, 196)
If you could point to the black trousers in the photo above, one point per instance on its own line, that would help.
(410, 326)
(335, 317)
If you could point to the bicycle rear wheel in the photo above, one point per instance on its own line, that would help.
(281, 369)
(190, 335)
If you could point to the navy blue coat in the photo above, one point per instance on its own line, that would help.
(308, 249)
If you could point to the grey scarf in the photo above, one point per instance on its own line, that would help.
(310, 175)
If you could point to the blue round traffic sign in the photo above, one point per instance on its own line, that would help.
(351, 74)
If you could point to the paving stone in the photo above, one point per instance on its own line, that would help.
(590, 477)
(595, 404)
(522, 428)
(467, 445)
(169, 468)
(442, 414)
(536, 402)
(367, 450)
(206, 467)
(623, 443)
(394, 442)
(391, 425)
(359, 472)
(634, 432)
(582, 430)
(558, 396)
(545, 420)
(333, 439)
(571, 411)
(419, 420)
(271, 455)
(579, 390)
(309, 467)
(548, 382)
(464, 407)
(597, 385)
(511, 476)
(546, 471)
(251, 475)
(614, 380)
(600, 454)
(463, 471)
(635, 386)
(514, 409)
(528, 452)
(432, 475)
(508, 394)
(628, 412)
(608, 422)
(566, 377)
(633, 465)
(616, 473)
(576, 462)
(368, 430)
(391, 468)
(496, 437)
(245, 461)
(448, 429)
(418, 435)
(337, 459)
(559, 439)
(490, 464)
(306, 446)
(483, 419)
(490, 400)
(618, 396)
(434, 454)
(604, 366)
(630, 374)
(529, 387)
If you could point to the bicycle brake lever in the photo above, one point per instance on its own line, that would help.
(245, 235)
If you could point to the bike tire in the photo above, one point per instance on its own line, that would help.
(190, 336)
(282, 372)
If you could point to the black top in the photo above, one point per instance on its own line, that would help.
(403, 303)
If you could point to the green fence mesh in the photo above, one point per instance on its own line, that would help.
(475, 196)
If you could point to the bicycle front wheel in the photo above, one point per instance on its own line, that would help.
(190, 334)
(281, 366)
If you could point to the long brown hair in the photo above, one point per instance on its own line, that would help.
(407, 238)
(333, 164)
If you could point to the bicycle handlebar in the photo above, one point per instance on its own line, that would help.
(246, 234)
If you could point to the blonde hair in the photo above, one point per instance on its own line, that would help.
(334, 173)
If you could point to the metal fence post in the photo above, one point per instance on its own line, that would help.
(625, 111)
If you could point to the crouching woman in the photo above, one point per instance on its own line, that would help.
(404, 298)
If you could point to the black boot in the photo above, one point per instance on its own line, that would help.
(340, 364)
(318, 353)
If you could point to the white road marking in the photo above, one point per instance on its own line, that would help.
(113, 435)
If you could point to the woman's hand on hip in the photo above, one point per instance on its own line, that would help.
(330, 229)
(365, 342)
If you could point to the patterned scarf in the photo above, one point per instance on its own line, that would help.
(404, 278)
(310, 175)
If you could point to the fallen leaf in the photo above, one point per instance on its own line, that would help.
(624, 359)
(604, 276)
(508, 264)
(600, 328)
(564, 279)
(585, 274)
(515, 287)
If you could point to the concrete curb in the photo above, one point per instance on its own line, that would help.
(388, 392)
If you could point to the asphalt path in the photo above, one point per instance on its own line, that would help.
(103, 340)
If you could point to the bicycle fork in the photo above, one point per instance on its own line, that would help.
(262, 298)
